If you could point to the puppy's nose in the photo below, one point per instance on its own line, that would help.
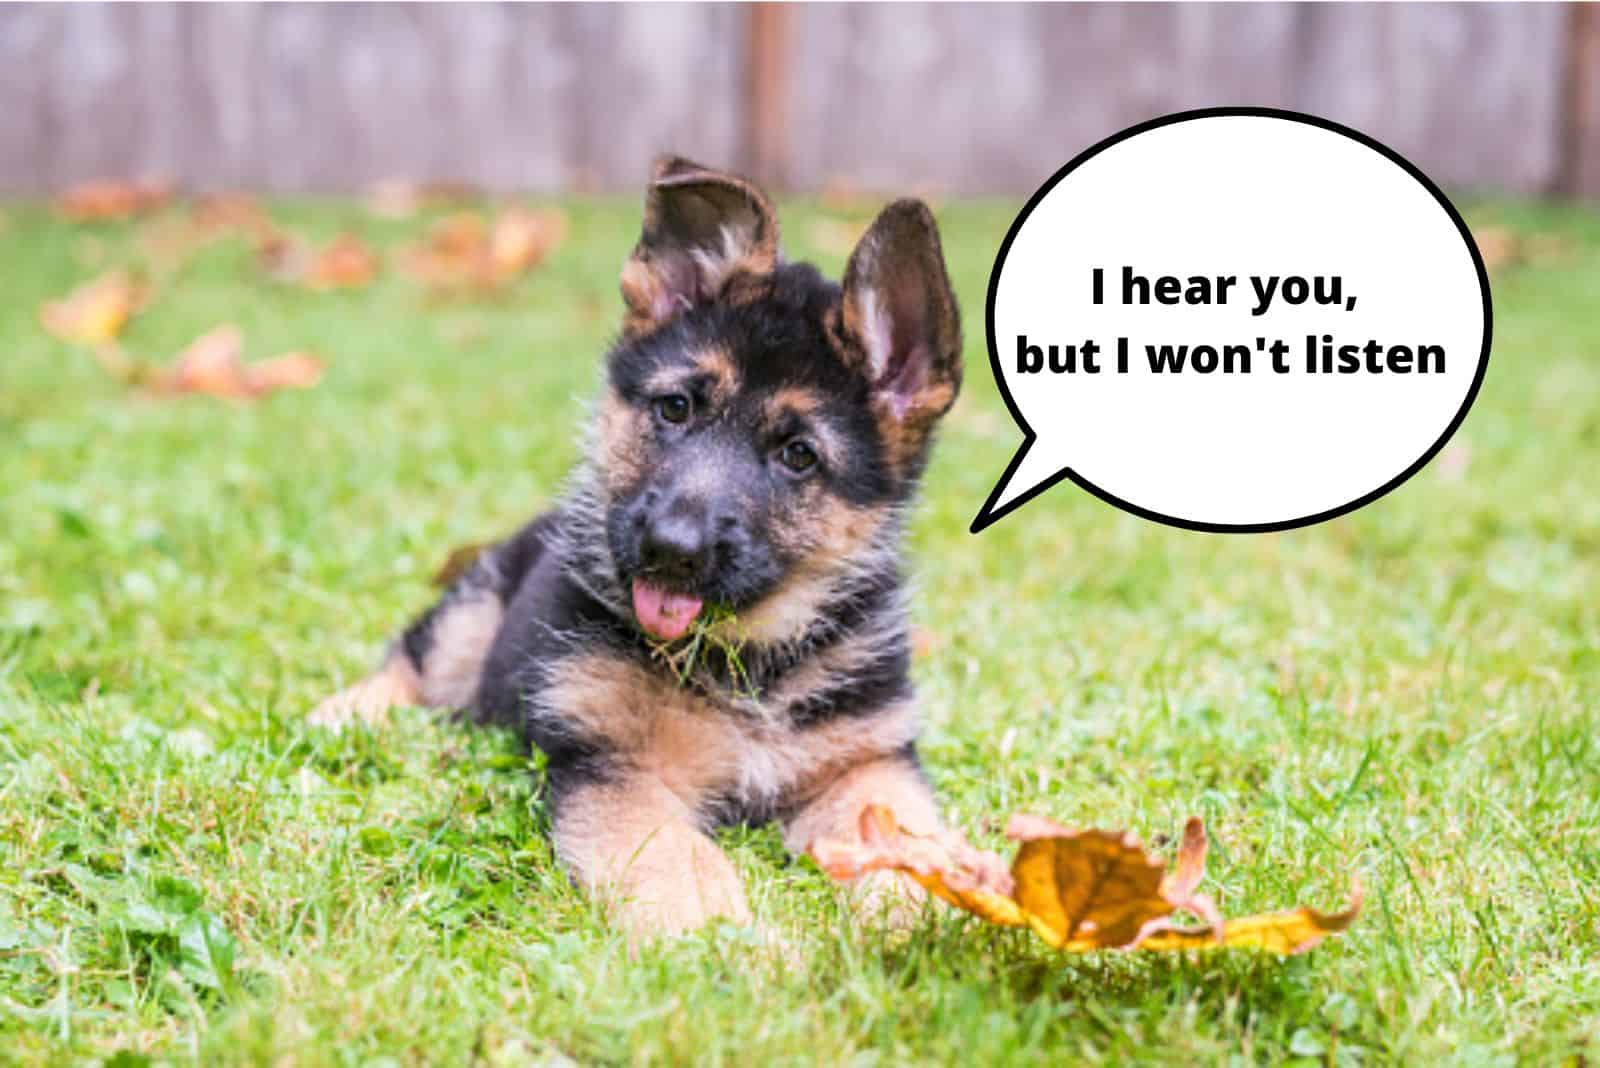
(676, 549)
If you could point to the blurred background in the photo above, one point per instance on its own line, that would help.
(958, 99)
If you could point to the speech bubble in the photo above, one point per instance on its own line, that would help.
(1234, 320)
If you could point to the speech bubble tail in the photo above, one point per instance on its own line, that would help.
(1030, 473)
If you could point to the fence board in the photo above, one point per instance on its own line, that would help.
(958, 98)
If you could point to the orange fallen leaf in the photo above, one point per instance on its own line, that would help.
(1079, 890)
(111, 199)
(231, 212)
(346, 262)
(521, 239)
(169, 240)
(213, 364)
(465, 251)
(95, 312)
(1084, 889)
(1502, 247)
(946, 865)
(401, 198)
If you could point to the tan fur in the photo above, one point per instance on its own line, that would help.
(905, 433)
(623, 455)
(825, 531)
(394, 685)
(792, 399)
(785, 613)
(836, 810)
(700, 751)
(462, 635)
(634, 842)
(636, 836)
(836, 813)
(713, 363)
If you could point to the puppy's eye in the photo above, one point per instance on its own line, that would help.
(673, 408)
(798, 456)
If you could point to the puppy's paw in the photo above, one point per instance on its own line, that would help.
(687, 908)
(368, 701)
(888, 899)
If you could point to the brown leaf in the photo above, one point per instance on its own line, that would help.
(1079, 890)
(1083, 890)
(346, 262)
(170, 240)
(521, 239)
(292, 370)
(401, 198)
(1502, 247)
(946, 866)
(111, 199)
(231, 212)
(213, 364)
(95, 312)
(465, 251)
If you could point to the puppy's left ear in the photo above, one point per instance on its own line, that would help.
(702, 230)
(898, 319)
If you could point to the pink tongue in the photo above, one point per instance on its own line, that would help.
(664, 614)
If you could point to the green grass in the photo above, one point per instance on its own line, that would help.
(1407, 694)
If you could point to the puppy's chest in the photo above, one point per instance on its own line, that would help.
(707, 754)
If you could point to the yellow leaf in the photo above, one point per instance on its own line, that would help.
(94, 313)
(1084, 890)
(1285, 933)
(1079, 890)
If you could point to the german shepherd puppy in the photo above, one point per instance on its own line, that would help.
(710, 625)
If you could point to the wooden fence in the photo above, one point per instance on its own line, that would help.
(957, 98)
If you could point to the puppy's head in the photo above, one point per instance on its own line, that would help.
(761, 425)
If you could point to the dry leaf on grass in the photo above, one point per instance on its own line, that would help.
(946, 866)
(1079, 890)
(213, 364)
(401, 198)
(467, 252)
(346, 262)
(95, 312)
(169, 240)
(1502, 247)
(110, 200)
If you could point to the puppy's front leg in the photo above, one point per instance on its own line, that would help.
(895, 782)
(629, 839)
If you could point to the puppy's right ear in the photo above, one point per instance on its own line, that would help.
(702, 228)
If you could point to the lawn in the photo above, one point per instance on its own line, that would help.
(188, 873)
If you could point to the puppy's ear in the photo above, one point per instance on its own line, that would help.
(899, 322)
(702, 229)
